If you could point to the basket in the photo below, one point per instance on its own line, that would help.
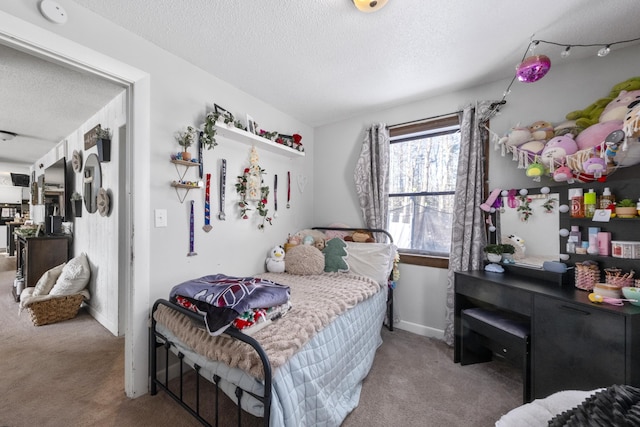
(615, 277)
(587, 275)
(55, 309)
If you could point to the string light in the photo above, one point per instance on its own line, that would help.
(604, 51)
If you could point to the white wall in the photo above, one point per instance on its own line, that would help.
(420, 296)
(181, 94)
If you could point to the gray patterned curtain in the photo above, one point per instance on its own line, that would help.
(468, 235)
(372, 176)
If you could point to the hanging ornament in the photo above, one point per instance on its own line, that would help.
(533, 68)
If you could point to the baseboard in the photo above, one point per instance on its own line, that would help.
(113, 328)
(419, 329)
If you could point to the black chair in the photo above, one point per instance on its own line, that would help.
(488, 332)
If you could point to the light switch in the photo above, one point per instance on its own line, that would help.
(161, 217)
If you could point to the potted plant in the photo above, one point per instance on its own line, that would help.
(103, 141)
(494, 252)
(626, 208)
(76, 199)
(186, 139)
(507, 252)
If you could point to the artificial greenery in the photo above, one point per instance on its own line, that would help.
(261, 206)
(494, 248)
(626, 203)
(103, 133)
(187, 138)
(508, 248)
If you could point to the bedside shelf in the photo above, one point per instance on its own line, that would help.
(231, 132)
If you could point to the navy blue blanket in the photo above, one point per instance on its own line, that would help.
(220, 298)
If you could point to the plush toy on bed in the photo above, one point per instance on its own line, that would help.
(275, 260)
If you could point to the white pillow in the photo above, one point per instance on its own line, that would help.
(374, 260)
(74, 277)
(47, 280)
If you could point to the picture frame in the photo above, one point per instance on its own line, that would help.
(224, 114)
(251, 125)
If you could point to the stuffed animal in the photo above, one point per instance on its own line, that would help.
(595, 134)
(591, 114)
(275, 260)
(557, 148)
(541, 130)
(360, 236)
(516, 136)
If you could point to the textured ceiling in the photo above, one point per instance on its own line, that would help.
(321, 61)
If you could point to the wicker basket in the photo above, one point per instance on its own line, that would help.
(55, 309)
(614, 276)
(587, 275)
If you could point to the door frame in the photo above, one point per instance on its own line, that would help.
(135, 248)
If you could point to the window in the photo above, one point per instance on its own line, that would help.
(423, 167)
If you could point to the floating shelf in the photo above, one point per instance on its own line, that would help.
(232, 132)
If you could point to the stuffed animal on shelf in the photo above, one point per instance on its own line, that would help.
(275, 260)
(557, 148)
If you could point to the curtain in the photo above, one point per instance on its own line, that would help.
(468, 235)
(372, 176)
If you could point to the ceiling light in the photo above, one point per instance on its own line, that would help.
(369, 5)
(7, 136)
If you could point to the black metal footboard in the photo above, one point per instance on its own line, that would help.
(157, 340)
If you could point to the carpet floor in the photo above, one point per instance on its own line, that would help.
(71, 373)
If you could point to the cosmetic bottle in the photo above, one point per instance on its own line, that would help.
(589, 203)
(577, 202)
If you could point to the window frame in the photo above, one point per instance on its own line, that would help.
(424, 128)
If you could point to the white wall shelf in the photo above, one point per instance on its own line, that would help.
(234, 133)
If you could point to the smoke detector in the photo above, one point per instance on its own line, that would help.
(53, 12)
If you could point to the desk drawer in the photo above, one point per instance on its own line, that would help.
(501, 296)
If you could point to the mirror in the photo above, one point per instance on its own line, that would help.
(535, 238)
(54, 188)
(92, 179)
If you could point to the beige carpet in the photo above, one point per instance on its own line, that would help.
(71, 374)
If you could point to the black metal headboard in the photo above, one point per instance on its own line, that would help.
(372, 230)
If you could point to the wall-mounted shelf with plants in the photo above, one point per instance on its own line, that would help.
(181, 184)
(230, 131)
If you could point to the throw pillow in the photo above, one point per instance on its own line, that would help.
(374, 260)
(304, 260)
(74, 277)
(335, 256)
(47, 280)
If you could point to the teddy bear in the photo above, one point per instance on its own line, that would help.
(275, 260)
(541, 130)
(360, 236)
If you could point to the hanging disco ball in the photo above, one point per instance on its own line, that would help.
(533, 68)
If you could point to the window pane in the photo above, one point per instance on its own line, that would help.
(422, 223)
(426, 164)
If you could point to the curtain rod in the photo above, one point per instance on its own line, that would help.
(424, 120)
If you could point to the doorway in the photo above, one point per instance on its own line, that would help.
(29, 38)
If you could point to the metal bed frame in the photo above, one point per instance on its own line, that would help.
(157, 340)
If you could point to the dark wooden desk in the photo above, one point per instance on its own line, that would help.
(36, 255)
(575, 344)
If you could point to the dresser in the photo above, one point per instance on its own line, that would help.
(36, 255)
(575, 344)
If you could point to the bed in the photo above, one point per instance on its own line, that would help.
(306, 367)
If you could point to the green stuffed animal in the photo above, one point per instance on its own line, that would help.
(591, 114)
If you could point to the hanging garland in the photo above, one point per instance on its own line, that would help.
(250, 187)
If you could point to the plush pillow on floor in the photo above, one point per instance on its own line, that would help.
(47, 280)
(74, 277)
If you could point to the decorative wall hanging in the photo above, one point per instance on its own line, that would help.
(104, 202)
(192, 251)
(103, 141)
(251, 188)
(76, 161)
(207, 205)
(222, 189)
